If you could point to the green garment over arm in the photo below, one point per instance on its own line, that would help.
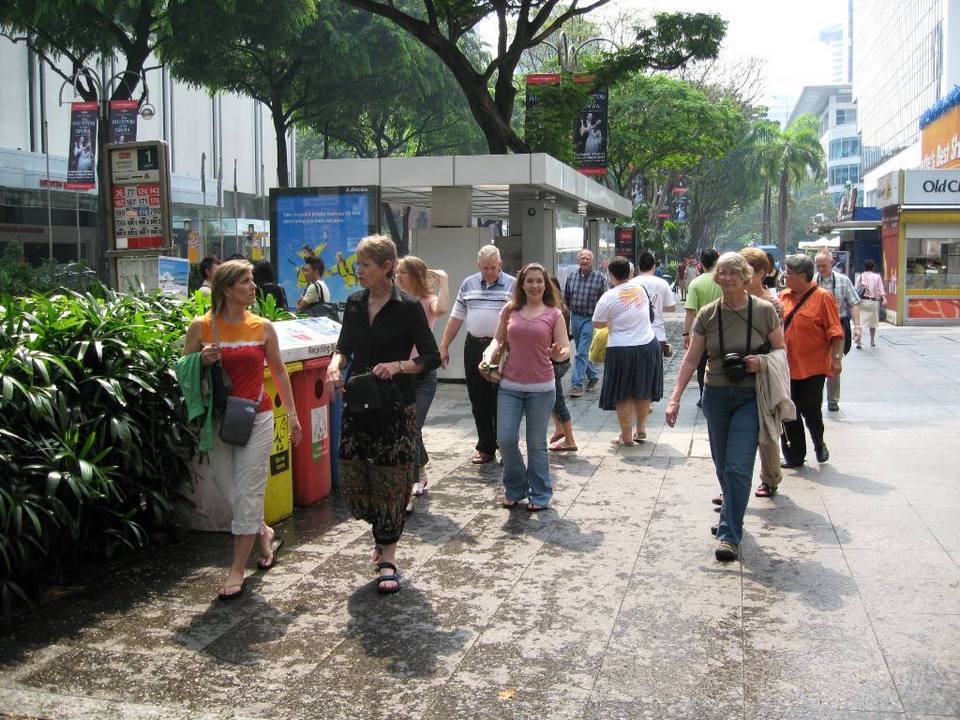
(193, 377)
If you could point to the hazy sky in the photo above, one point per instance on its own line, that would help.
(784, 34)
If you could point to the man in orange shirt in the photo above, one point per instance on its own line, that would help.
(814, 338)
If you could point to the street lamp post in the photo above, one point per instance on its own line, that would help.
(565, 55)
(103, 114)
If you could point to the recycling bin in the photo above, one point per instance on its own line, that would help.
(278, 497)
(311, 459)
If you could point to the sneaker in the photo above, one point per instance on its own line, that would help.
(417, 489)
(592, 384)
(833, 407)
(576, 392)
(726, 551)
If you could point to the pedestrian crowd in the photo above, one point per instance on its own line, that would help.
(762, 361)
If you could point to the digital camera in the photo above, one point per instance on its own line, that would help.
(734, 367)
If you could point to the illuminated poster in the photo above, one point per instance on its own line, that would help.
(890, 246)
(320, 222)
(82, 160)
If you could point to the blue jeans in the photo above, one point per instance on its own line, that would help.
(582, 330)
(424, 388)
(533, 480)
(733, 424)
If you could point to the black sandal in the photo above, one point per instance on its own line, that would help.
(394, 578)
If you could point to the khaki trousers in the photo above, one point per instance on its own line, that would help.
(770, 463)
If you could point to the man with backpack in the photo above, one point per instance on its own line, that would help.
(317, 293)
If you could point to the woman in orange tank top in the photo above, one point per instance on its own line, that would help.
(244, 342)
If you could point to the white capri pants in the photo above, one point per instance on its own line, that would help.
(240, 474)
(869, 313)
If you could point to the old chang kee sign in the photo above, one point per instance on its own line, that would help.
(137, 210)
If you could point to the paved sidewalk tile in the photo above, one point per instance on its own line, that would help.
(845, 604)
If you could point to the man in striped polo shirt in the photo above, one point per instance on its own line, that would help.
(478, 305)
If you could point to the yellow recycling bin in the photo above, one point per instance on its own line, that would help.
(278, 498)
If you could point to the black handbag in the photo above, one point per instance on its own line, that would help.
(237, 414)
(374, 405)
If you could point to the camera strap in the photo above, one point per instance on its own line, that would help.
(789, 318)
(749, 324)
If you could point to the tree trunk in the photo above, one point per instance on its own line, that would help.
(765, 223)
(280, 128)
(783, 210)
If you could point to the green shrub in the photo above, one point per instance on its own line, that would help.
(93, 438)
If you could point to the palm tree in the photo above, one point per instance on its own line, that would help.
(796, 155)
(765, 141)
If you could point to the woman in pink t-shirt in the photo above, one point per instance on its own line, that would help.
(432, 289)
(873, 297)
(532, 326)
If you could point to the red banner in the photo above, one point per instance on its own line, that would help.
(82, 160)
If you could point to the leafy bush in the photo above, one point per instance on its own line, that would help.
(93, 438)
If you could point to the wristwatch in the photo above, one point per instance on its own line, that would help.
(837, 356)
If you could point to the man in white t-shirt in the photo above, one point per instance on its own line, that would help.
(659, 291)
(317, 290)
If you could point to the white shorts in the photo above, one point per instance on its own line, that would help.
(240, 473)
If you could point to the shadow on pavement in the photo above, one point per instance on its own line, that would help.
(400, 629)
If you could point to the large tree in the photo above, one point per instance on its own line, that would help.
(287, 54)
(669, 42)
(799, 156)
(80, 33)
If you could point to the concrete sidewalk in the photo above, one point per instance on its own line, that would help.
(609, 605)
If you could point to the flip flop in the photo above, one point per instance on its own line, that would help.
(533, 507)
(618, 442)
(555, 437)
(639, 437)
(562, 448)
(275, 546)
(509, 504)
(226, 597)
(481, 458)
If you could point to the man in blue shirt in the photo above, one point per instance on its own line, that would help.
(581, 292)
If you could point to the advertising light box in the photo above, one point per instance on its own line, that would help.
(320, 222)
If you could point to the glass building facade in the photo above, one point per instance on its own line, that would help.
(898, 68)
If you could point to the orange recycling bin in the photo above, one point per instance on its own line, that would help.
(311, 458)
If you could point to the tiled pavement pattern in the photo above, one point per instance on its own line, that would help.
(609, 605)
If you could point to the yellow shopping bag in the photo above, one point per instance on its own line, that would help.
(598, 346)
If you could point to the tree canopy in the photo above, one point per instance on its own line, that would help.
(671, 40)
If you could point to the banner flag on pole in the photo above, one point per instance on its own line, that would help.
(82, 158)
(123, 120)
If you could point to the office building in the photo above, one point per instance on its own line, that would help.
(35, 128)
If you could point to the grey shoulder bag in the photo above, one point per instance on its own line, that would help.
(237, 414)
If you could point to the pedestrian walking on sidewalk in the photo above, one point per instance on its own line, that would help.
(633, 366)
(848, 305)
(562, 439)
(701, 291)
(531, 327)
(871, 287)
(381, 328)
(660, 293)
(769, 443)
(242, 342)
(479, 301)
(814, 335)
(733, 331)
(432, 289)
(581, 292)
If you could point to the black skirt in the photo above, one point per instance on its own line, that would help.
(632, 373)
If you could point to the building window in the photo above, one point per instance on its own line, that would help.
(842, 174)
(846, 147)
(933, 264)
(846, 116)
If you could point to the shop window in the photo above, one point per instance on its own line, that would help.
(933, 264)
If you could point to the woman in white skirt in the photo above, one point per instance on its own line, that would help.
(871, 290)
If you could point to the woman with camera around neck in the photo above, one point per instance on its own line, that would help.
(377, 453)
(732, 330)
